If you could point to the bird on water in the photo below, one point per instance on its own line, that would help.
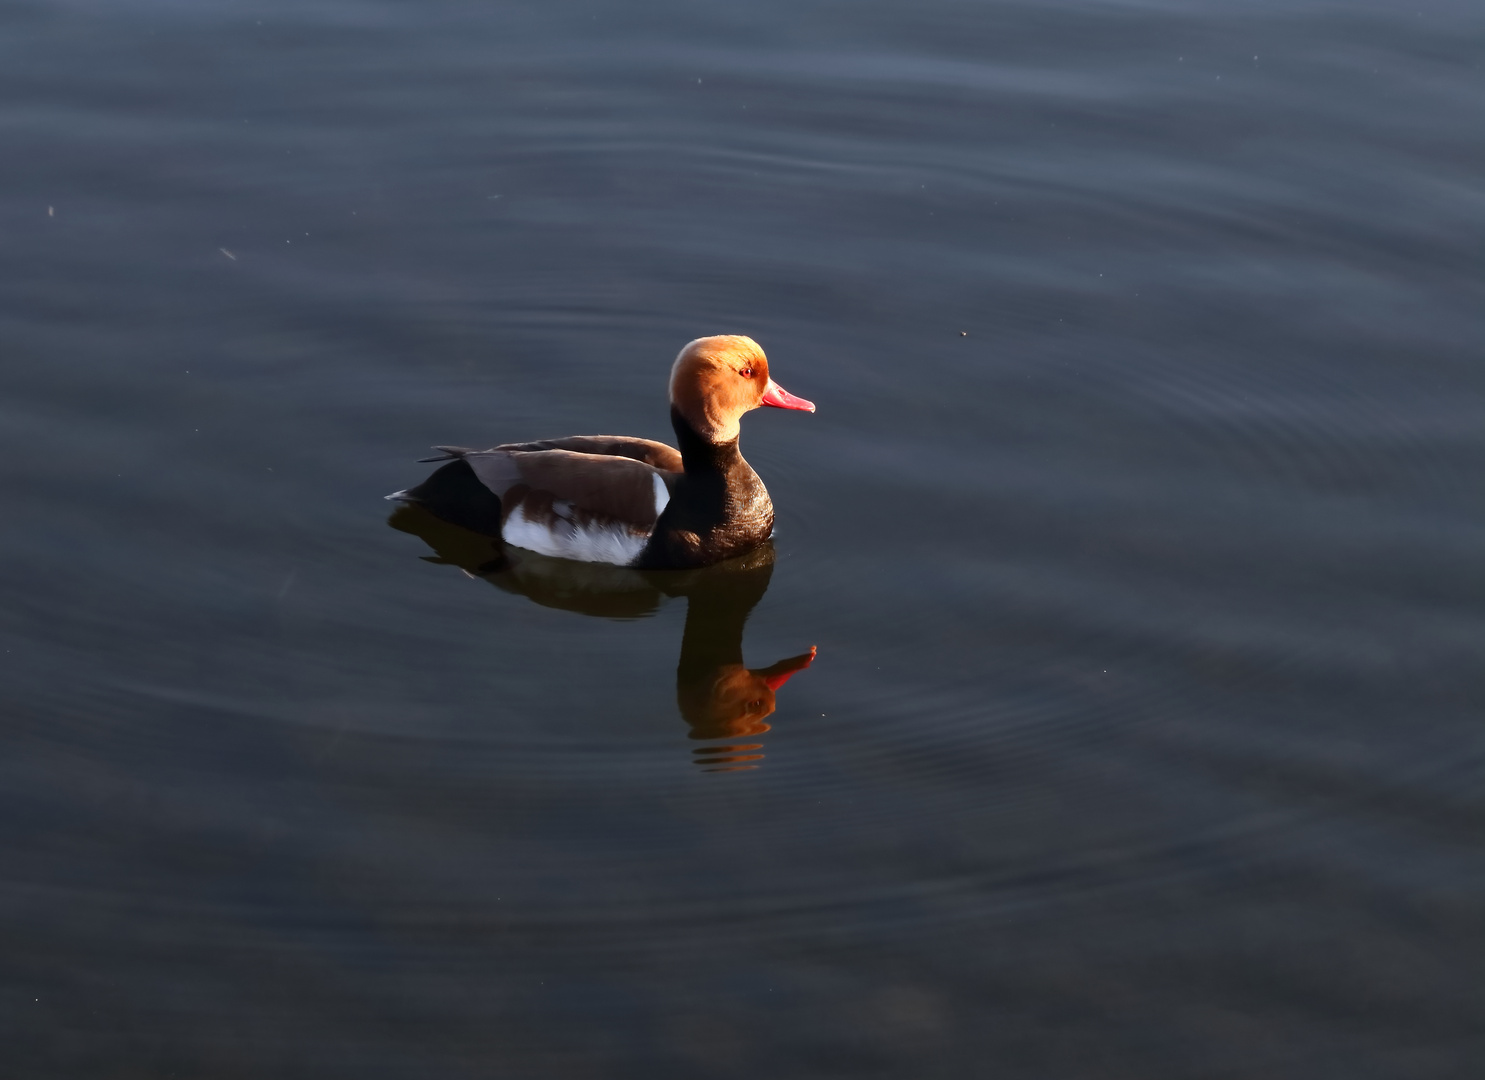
(624, 500)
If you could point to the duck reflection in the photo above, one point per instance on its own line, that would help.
(725, 703)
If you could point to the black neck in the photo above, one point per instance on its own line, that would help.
(701, 456)
(718, 507)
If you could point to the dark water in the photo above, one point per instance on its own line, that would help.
(1139, 532)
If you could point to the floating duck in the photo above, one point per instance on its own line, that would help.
(622, 500)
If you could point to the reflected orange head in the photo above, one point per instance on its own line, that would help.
(734, 700)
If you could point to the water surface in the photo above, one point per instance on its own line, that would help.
(1138, 532)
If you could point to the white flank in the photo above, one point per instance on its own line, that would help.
(662, 495)
(609, 542)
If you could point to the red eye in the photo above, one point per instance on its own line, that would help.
(746, 373)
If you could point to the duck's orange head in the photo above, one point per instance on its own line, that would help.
(717, 379)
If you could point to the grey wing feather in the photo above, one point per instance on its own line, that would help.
(612, 486)
(496, 469)
(448, 453)
(657, 454)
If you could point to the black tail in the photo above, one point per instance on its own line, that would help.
(456, 495)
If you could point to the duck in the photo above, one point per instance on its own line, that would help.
(624, 500)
